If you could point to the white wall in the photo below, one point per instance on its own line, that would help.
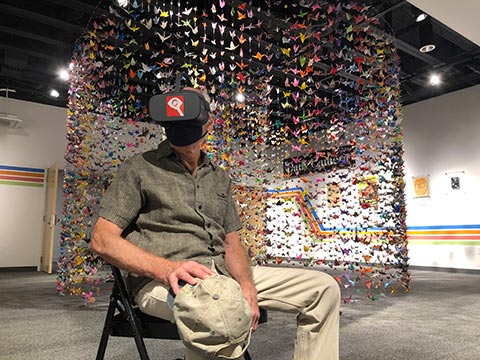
(41, 139)
(442, 135)
(38, 143)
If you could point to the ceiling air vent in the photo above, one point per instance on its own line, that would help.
(12, 120)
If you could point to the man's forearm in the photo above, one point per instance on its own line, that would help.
(237, 260)
(107, 242)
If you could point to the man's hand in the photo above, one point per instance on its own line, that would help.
(250, 293)
(188, 271)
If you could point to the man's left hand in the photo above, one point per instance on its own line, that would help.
(250, 293)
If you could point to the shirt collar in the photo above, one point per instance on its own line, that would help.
(164, 150)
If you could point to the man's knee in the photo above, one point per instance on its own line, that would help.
(330, 286)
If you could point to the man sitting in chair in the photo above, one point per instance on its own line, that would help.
(169, 219)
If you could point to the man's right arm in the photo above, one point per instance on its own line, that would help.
(107, 242)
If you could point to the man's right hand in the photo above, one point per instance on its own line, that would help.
(188, 271)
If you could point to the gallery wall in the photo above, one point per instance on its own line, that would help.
(442, 142)
(35, 145)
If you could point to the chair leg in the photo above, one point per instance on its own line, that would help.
(121, 291)
(106, 330)
(142, 350)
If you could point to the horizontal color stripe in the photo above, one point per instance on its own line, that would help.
(20, 183)
(22, 173)
(444, 242)
(447, 237)
(438, 227)
(17, 168)
(21, 178)
(466, 235)
(444, 232)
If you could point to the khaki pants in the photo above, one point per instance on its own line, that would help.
(312, 294)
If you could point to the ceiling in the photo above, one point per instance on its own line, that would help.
(37, 38)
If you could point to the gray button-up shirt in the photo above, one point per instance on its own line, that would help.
(164, 209)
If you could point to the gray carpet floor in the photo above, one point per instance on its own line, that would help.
(438, 319)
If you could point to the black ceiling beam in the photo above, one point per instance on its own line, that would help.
(81, 6)
(456, 61)
(426, 92)
(42, 19)
(31, 53)
(25, 93)
(385, 11)
(28, 35)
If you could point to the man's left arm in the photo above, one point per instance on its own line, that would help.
(238, 264)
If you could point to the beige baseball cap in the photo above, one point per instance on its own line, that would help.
(213, 317)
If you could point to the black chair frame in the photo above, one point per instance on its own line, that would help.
(124, 319)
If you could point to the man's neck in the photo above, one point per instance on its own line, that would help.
(190, 156)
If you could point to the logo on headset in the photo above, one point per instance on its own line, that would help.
(175, 106)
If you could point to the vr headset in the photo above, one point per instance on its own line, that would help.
(180, 105)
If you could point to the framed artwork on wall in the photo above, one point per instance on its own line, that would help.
(455, 182)
(421, 187)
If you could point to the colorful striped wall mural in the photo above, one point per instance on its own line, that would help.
(444, 235)
(21, 176)
(417, 235)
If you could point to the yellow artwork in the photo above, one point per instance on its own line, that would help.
(420, 187)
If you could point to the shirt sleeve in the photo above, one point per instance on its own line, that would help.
(232, 220)
(122, 201)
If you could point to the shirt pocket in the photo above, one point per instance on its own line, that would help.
(217, 206)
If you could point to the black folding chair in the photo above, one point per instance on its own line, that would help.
(124, 319)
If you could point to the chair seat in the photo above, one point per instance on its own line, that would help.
(153, 327)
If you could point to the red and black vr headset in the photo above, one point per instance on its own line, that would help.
(183, 105)
(180, 105)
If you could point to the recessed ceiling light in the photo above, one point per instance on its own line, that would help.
(417, 14)
(435, 79)
(427, 48)
(421, 17)
(54, 93)
(64, 74)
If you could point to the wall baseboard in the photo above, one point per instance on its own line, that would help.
(444, 269)
(18, 268)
